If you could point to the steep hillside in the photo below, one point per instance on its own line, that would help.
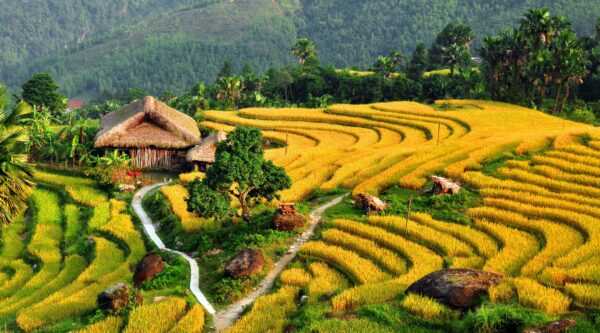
(364, 30)
(32, 28)
(92, 46)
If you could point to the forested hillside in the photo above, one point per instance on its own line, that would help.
(94, 46)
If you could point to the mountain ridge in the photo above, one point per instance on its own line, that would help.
(168, 45)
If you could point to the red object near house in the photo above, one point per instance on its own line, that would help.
(134, 173)
(74, 104)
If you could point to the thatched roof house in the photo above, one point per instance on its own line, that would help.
(153, 134)
(203, 155)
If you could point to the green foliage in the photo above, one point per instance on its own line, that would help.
(41, 90)
(303, 49)
(501, 318)
(207, 203)
(175, 274)
(241, 170)
(583, 116)
(15, 172)
(418, 62)
(451, 47)
(93, 46)
(540, 56)
(444, 207)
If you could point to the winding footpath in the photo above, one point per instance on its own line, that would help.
(227, 316)
(151, 231)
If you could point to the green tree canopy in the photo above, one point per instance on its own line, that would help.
(206, 202)
(303, 49)
(15, 172)
(41, 90)
(418, 62)
(240, 170)
(452, 46)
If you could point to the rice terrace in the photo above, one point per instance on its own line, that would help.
(451, 185)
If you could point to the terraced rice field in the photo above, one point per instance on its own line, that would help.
(538, 223)
(45, 277)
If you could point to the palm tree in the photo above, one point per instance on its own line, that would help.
(303, 49)
(537, 27)
(570, 66)
(38, 132)
(230, 90)
(15, 173)
(385, 66)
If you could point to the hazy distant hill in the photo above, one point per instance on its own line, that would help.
(94, 45)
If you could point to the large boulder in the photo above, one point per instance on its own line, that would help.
(149, 266)
(456, 288)
(288, 222)
(114, 298)
(246, 263)
(560, 326)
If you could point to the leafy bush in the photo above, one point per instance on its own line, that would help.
(583, 116)
(501, 318)
(176, 273)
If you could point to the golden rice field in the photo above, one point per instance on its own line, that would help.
(368, 148)
(172, 315)
(45, 280)
(539, 222)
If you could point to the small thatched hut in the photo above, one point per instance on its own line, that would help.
(203, 155)
(153, 134)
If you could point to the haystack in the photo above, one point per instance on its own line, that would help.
(153, 134)
(202, 156)
(443, 185)
(370, 203)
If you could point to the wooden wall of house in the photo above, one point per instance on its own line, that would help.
(154, 158)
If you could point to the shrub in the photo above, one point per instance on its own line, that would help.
(500, 318)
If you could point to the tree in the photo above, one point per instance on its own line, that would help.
(15, 173)
(41, 90)
(389, 65)
(240, 170)
(303, 49)
(230, 90)
(226, 70)
(454, 56)
(207, 203)
(384, 66)
(452, 43)
(418, 62)
(570, 66)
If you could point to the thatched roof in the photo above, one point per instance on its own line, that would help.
(205, 151)
(147, 123)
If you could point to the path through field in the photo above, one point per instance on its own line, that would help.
(151, 231)
(230, 314)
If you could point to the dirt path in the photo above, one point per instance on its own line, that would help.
(230, 314)
(151, 231)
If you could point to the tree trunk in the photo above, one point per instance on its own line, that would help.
(245, 209)
(557, 98)
(565, 98)
(540, 103)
